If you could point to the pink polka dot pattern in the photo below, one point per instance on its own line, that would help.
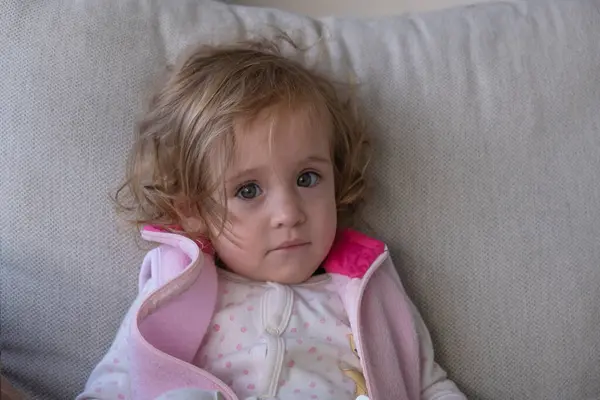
(314, 336)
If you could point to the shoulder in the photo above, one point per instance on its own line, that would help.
(171, 257)
(353, 253)
(161, 264)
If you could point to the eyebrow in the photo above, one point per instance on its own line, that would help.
(317, 159)
(254, 171)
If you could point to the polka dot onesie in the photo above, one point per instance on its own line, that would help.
(270, 341)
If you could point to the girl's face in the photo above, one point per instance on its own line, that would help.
(280, 193)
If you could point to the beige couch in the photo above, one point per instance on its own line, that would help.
(486, 180)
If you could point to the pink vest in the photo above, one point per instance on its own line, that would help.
(171, 322)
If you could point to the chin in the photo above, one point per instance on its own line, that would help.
(294, 279)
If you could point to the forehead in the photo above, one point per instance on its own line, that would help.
(281, 135)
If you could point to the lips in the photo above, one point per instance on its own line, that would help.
(291, 244)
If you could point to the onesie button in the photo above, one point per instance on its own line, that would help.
(271, 331)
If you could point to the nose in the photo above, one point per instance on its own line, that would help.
(287, 209)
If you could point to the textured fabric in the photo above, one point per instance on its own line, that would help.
(272, 340)
(163, 331)
(485, 180)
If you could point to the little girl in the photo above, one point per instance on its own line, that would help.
(247, 172)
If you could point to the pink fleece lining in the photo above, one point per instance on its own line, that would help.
(352, 254)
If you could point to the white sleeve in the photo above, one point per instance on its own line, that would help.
(110, 378)
(435, 384)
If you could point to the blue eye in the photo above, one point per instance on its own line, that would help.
(308, 179)
(249, 191)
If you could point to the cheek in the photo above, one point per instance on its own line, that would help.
(240, 235)
(238, 253)
(326, 195)
(323, 208)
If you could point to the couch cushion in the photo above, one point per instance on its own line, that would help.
(487, 129)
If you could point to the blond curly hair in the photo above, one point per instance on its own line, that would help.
(185, 139)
